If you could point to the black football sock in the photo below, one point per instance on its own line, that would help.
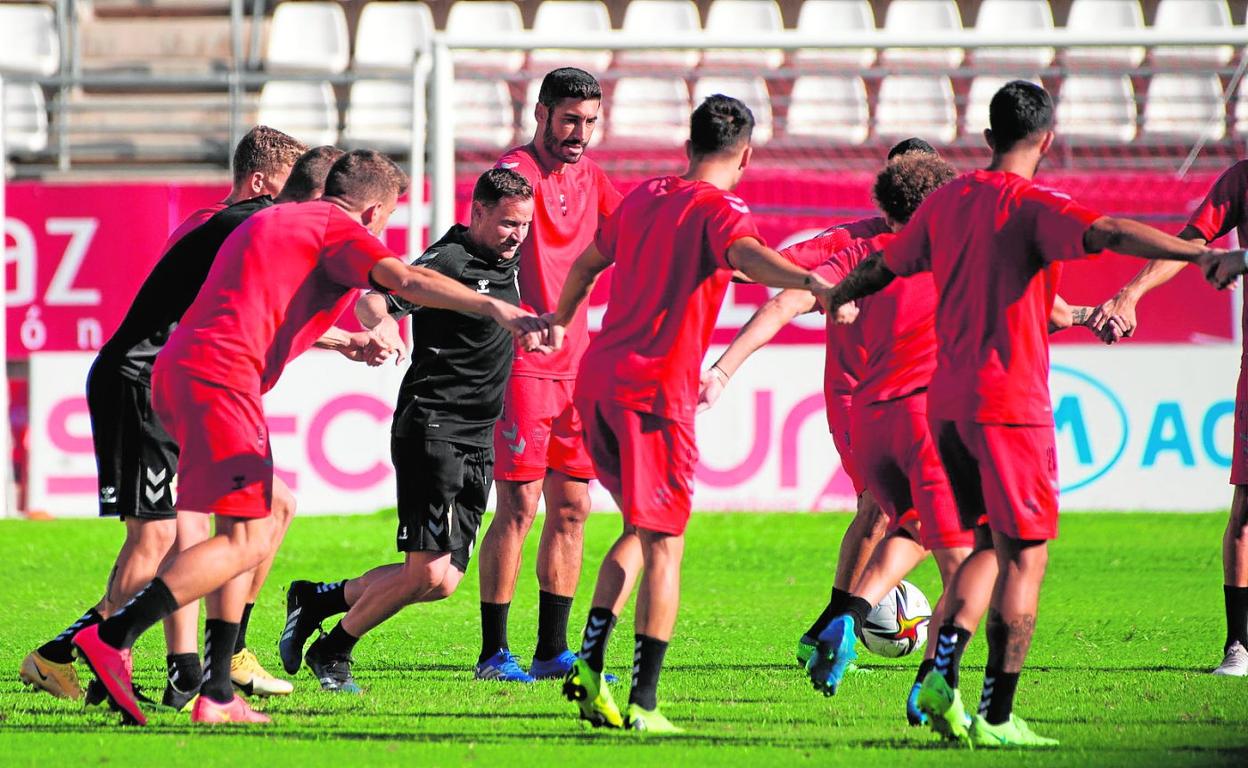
(330, 599)
(1236, 615)
(185, 671)
(552, 625)
(836, 606)
(925, 666)
(493, 629)
(152, 604)
(60, 649)
(647, 664)
(597, 631)
(997, 701)
(858, 608)
(339, 642)
(950, 644)
(241, 642)
(218, 648)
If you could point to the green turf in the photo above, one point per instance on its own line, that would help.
(1131, 619)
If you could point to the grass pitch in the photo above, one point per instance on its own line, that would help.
(1130, 621)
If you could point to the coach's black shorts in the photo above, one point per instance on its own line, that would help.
(135, 456)
(442, 490)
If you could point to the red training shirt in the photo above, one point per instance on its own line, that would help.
(1223, 209)
(569, 204)
(992, 241)
(669, 240)
(897, 327)
(278, 283)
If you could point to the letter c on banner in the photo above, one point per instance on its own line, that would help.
(58, 426)
(350, 481)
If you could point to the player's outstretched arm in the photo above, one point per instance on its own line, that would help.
(1065, 316)
(761, 328)
(1135, 238)
(428, 288)
(576, 289)
(356, 346)
(763, 265)
(870, 276)
(1121, 306)
(385, 341)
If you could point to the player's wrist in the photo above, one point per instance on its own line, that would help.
(720, 374)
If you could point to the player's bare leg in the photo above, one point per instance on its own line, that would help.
(184, 667)
(500, 556)
(866, 530)
(50, 667)
(1011, 624)
(1235, 587)
(658, 599)
(559, 558)
(246, 671)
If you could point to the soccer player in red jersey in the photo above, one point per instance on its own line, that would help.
(276, 287)
(538, 445)
(993, 241)
(843, 362)
(1223, 209)
(130, 442)
(676, 241)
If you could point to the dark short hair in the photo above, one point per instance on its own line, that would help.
(497, 183)
(307, 177)
(568, 83)
(265, 150)
(907, 180)
(363, 177)
(1020, 109)
(912, 144)
(720, 123)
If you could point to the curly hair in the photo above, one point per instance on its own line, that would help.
(265, 150)
(907, 180)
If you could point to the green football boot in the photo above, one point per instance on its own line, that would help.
(943, 707)
(649, 721)
(590, 692)
(1012, 733)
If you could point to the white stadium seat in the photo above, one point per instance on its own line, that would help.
(484, 116)
(819, 16)
(571, 17)
(28, 41)
(905, 16)
(750, 90)
(1189, 15)
(25, 118)
(916, 105)
(744, 17)
(830, 108)
(379, 115)
(468, 17)
(305, 110)
(1096, 108)
(1101, 16)
(649, 109)
(1004, 16)
(308, 37)
(1184, 106)
(528, 123)
(390, 34)
(656, 19)
(983, 88)
(1241, 109)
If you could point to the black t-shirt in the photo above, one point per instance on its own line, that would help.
(460, 362)
(168, 292)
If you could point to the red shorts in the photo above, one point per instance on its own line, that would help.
(1239, 451)
(1008, 473)
(225, 466)
(898, 460)
(540, 429)
(839, 423)
(645, 461)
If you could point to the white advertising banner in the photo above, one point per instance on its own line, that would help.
(1138, 427)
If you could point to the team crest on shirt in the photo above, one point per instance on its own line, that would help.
(483, 286)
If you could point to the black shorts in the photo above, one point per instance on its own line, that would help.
(136, 458)
(442, 492)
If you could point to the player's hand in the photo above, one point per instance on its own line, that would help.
(1115, 319)
(1221, 268)
(846, 314)
(556, 331)
(710, 387)
(384, 343)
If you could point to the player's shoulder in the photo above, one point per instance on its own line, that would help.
(521, 160)
(719, 200)
(1237, 173)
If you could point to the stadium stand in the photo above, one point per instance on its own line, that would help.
(570, 17)
(658, 19)
(916, 105)
(923, 16)
(476, 16)
(308, 37)
(829, 108)
(737, 17)
(1008, 15)
(649, 109)
(1105, 15)
(847, 15)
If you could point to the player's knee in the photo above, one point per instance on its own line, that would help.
(570, 514)
(446, 586)
(153, 539)
(517, 503)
